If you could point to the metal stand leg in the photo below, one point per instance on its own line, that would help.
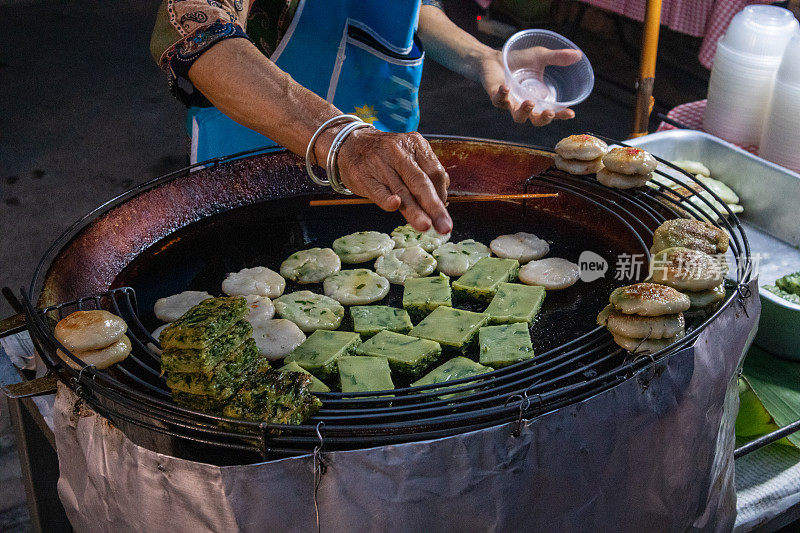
(647, 69)
(37, 456)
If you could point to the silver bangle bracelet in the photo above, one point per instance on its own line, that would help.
(310, 159)
(332, 166)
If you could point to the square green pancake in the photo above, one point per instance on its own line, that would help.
(204, 322)
(407, 355)
(203, 360)
(370, 319)
(483, 278)
(364, 374)
(452, 328)
(315, 386)
(455, 368)
(321, 350)
(423, 295)
(505, 344)
(514, 302)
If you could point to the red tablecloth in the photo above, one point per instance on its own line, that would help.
(691, 115)
(699, 18)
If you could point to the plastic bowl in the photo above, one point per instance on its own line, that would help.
(554, 88)
(761, 30)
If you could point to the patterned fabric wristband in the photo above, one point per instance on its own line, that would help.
(182, 55)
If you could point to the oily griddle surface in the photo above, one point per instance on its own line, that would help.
(199, 256)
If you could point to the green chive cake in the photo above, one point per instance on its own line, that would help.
(407, 355)
(483, 278)
(514, 302)
(454, 329)
(370, 319)
(275, 397)
(203, 360)
(322, 349)
(315, 385)
(455, 368)
(364, 374)
(199, 402)
(505, 344)
(423, 295)
(226, 379)
(204, 322)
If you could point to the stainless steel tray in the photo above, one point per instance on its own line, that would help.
(770, 195)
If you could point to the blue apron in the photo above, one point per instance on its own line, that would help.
(359, 55)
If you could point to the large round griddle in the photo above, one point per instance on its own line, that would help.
(187, 230)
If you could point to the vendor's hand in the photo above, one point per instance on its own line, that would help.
(493, 79)
(397, 171)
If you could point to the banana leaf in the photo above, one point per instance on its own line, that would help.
(769, 396)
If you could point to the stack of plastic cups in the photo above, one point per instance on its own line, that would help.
(780, 141)
(745, 65)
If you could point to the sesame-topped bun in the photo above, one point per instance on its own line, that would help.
(689, 233)
(640, 327)
(581, 147)
(649, 299)
(686, 269)
(578, 167)
(615, 180)
(629, 160)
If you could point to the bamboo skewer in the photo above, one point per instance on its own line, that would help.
(450, 199)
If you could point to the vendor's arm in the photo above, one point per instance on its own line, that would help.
(396, 170)
(460, 52)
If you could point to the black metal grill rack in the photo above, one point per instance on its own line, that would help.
(134, 392)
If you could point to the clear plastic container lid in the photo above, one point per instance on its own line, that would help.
(761, 30)
(554, 87)
(789, 71)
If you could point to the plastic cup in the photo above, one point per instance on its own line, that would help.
(745, 67)
(780, 141)
(760, 30)
(727, 58)
(789, 71)
(555, 87)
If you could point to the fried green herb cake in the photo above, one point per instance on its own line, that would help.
(454, 329)
(423, 295)
(505, 344)
(275, 397)
(364, 374)
(204, 322)
(198, 402)
(226, 379)
(407, 355)
(322, 349)
(203, 360)
(481, 281)
(370, 319)
(514, 302)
